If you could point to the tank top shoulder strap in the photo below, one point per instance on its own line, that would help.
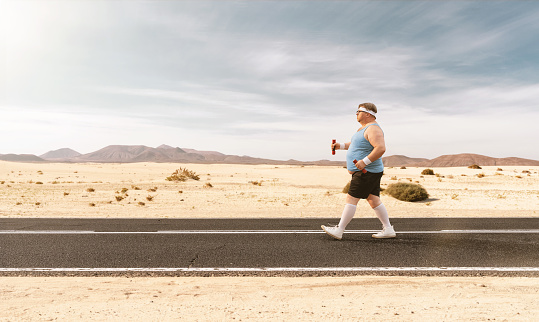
(365, 129)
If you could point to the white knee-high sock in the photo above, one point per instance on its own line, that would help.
(381, 213)
(347, 215)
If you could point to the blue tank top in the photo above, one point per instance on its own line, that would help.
(359, 149)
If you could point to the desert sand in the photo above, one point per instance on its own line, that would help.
(65, 190)
(251, 191)
(362, 298)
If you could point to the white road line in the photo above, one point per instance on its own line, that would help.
(193, 232)
(273, 269)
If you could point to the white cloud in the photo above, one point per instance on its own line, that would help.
(278, 79)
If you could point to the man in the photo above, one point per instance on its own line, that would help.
(367, 146)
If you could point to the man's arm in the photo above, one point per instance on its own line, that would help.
(375, 136)
(346, 145)
(339, 146)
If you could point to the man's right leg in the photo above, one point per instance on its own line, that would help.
(346, 216)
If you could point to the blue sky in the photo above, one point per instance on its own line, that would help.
(271, 79)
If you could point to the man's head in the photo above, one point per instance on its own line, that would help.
(369, 106)
(366, 112)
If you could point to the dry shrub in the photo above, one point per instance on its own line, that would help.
(427, 172)
(407, 191)
(474, 166)
(182, 175)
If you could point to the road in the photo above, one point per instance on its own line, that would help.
(424, 246)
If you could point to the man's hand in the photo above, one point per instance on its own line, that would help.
(356, 163)
(360, 165)
(338, 146)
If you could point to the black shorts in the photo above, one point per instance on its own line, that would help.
(365, 184)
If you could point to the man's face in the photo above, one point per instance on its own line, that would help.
(361, 115)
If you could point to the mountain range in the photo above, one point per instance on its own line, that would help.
(456, 160)
(166, 153)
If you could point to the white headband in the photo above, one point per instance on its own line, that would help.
(362, 109)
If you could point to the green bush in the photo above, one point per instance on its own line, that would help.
(427, 172)
(407, 191)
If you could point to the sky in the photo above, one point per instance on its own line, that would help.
(270, 79)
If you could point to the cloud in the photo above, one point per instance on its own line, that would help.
(273, 75)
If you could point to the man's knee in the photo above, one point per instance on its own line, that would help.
(374, 201)
(352, 200)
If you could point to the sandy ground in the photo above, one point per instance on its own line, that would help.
(257, 191)
(364, 298)
(91, 190)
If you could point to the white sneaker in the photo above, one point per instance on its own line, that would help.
(387, 232)
(334, 232)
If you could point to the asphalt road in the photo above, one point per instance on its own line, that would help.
(425, 246)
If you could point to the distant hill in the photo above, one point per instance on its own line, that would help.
(167, 153)
(208, 155)
(60, 155)
(134, 153)
(467, 159)
(20, 158)
(400, 160)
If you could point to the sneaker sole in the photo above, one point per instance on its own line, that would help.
(324, 229)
